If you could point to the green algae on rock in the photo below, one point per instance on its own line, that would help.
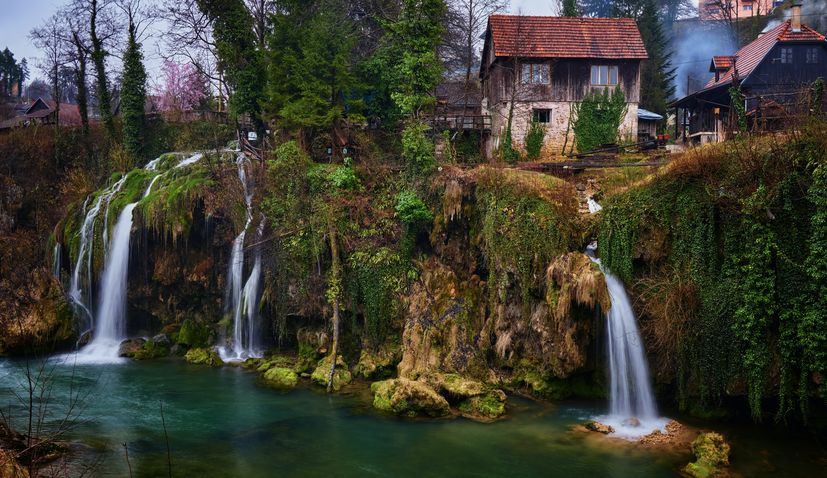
(281, 377)
(201, 356)
(409, 398)
(711, 455)
(341, 375)
(487, 406)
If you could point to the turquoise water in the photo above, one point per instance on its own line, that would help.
(222, 422)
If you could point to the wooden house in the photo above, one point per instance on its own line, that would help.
(536, 68)
(774, 73)
(43, 111)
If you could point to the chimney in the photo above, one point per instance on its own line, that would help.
(795, 21)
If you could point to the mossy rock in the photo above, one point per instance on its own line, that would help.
(378, 364)
(151, 350)
(265, 364)
(488, 406)
(341, 376)
(408, 398)
(307, 359)
(459, 387)
(193, 334)
(201, 356)
(711, 454)
(281, 377)
(598, 427)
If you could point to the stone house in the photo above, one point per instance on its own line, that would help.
(544, 65)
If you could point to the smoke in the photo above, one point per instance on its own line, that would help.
(693, 46)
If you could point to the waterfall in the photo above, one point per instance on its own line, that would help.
(632, 408)
(56, 261)
(594, 206)
(81, 283)
(242, 297)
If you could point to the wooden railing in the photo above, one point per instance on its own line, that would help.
(462, 122)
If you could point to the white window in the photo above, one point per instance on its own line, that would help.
(604, 75)
(812, 55)
(535, 73)
(542, 116)
(786, 55)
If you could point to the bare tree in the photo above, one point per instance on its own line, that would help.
(49, 38)
(261, 10)
(469, 19)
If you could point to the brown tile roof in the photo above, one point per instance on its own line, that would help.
(751, 55)
(566, 37)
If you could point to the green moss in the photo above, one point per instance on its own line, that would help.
(341, 375)
(193, 334)
(490, 406)
(202, 356)
(408, 398)
(711, 455)
(460, 387)
(151, 350)
(281, 377)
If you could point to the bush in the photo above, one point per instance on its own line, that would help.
(534, 138)
(597, 119)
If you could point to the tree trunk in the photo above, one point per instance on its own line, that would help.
(83, 105)
(335, 286)
(98, 58)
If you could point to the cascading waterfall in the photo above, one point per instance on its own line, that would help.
(594, 207)
(56, 261)
(110, 315)
(632, 408)
(80, 284)
(242, 297)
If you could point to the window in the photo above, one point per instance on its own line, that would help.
(604, 75)
(786, 55)
(748, 8)
(542, 116)
(535, 73)
(812, 55)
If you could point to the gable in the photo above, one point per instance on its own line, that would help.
(38, 105)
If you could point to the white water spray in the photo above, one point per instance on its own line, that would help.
(242, 297)
(56, 261)
(632, 408)
(594, 207)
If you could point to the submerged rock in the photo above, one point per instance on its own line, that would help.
(341, 376)
(408, 398)
(711, 455)
(631, 422)
(203, 357)
(598, 427)
(281, 377)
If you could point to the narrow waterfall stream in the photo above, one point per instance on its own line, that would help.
(632, 408)
(242, 297)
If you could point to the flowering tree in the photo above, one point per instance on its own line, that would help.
(184, 88)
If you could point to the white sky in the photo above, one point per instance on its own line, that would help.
(18, 17)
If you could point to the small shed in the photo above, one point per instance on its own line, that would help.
(648, 123)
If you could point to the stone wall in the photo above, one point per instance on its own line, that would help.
(556, 130)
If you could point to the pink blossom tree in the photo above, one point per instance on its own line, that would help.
(183, 88)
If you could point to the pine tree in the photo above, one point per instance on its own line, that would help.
(657, 74)
(570, 8)
(99, 61)
(133, 96)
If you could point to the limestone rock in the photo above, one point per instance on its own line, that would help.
(711, 455)
(341, 376)
(457, 386)
(598, 427)
(488, 406)
(130, 347)
(281, 377)
(203, 357)
(408, 398)
(376, 364)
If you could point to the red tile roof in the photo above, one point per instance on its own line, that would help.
(751, 55)
(566, 37)
(721, 63)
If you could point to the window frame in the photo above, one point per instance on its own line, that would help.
(787, 56)
(536, 115)
(535, 73)
(812, 57)
(611, 78)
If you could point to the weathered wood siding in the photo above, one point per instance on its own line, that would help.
(772, 76)
(570, 80)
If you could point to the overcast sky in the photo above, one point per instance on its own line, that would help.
(18, 17)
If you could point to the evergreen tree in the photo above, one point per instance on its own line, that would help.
(657, 75)
(315, 41)
(570, 8)
(133, 96)
(238, 56)
(99, 61)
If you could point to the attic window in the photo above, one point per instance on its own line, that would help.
(812, 55)
(604, 75)
(534, 73)
(786, 55)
